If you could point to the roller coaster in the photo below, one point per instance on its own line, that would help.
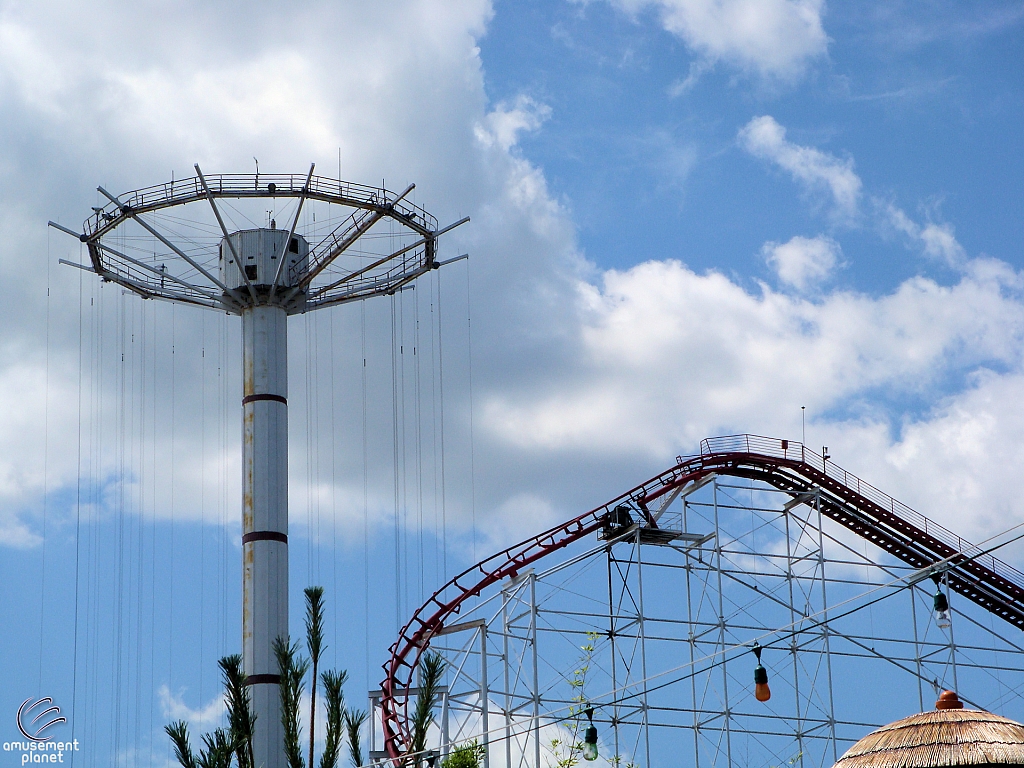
(755, 541)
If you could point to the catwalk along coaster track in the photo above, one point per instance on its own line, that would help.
(785, 466)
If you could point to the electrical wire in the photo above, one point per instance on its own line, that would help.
(334, 488)
(440, 368)
(366, 510)
(46, 473)
(395, 471)
(78, 518)
(472, 443)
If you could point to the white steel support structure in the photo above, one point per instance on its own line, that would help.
(213, 256)
(653, 627)
(264, 516)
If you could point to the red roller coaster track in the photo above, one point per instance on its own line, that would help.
(788, 466)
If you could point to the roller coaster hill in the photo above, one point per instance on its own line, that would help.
(645, 611)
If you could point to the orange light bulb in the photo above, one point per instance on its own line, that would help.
(761, 690)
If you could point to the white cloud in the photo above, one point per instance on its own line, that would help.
(669, 356)
(604, 376)
(504, 525)
(28, 464)
(208, 716)
(957, 464)
(684, 86)
(824, 174)
(817, 171)
(803, 261)
(940, 242)
(503, 125)
(585, 382)
(106, 97)
(774, 38)
(937, 240)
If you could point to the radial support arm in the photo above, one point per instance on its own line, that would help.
(195, 265)
(224, 229)
(291, 232)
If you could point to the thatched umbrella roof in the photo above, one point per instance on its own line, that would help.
(946, 736)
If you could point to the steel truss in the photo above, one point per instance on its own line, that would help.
(662, 613)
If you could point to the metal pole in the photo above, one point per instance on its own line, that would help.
(721, 633)
(446, 737)
(952, 641)
(691, 642)
(485, 695)
(643, 648)
(790, 575)
(507, 659)
(611, 648)
(536, 670)
(826, 631)
(917, 645)
(264, 519)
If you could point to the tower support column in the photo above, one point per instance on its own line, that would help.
(264, 519)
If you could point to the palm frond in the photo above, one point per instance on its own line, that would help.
(432, 667)
(354, 719)
(292, 668)
(241, 719)
(333, 684)
(219, 750)
(178, 732)
(315, 644)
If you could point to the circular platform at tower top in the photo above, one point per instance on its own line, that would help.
(949, 735)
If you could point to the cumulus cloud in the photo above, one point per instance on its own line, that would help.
(774, 38)
(803, 262)
(106, 98)
(669, 356)
(957, 463)
(582, 378)
(43, 397)
(815, 170)
(584, 381)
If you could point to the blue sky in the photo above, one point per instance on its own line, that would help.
(688, 218)
(923, 113)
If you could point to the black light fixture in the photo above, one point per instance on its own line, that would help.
(590, 737)
(431, 757)
(941, 605)
(761, 690)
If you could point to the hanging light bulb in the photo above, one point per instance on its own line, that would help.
(590, 737)
(761, 690)
(941, 605)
